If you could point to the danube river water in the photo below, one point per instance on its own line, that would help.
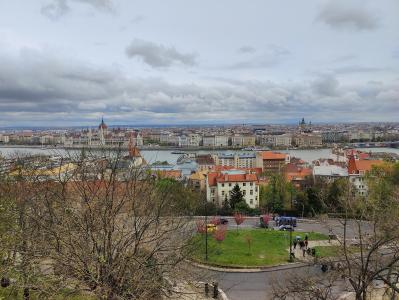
(152, 156)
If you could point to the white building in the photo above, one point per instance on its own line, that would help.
(4, 138)
(329, 172)
(220, 184)
(245, 160)
(221, 140)
(208, 141)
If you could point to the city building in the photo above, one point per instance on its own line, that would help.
(357, 169)
(307, 140)
(220, 184)
(208, 141)
(329, 173)
(236, 160)
(272, 162)
(204, 162)
(221, 141)
(243, 140)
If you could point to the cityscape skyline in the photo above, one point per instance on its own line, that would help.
(70, 62)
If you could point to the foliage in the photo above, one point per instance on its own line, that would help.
(239, 219)
(116, 232)
(236, 196)
(276, 195)
(220, 233)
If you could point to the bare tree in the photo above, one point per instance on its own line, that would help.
(298, 287)
(105, 226)
(367, 248)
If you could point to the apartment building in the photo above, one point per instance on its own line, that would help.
(220, 184)
(357, 169)
(272, 162)
(221, 140)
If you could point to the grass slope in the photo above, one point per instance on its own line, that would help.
(267, 247)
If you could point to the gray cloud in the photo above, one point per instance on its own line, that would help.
(273, 55)
(39, 88)
(158, 56)
(358, 69)
(326, 85)
(246, 49)
(341, 14)
(56, 9)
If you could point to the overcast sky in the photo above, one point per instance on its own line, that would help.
(69, 62)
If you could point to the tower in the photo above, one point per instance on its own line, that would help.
(103, 130)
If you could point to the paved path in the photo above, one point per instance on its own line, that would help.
(308, 258)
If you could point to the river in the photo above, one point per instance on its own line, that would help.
(167, 155)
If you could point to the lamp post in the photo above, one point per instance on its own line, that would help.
(206, 231)
(290, 258)
(206, 220)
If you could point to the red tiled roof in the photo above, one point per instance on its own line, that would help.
(362, 165)
(175, 174)
(270, 155)
(226, 168)
(215, 177)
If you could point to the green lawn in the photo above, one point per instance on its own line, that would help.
(330, 251)
(268, 247)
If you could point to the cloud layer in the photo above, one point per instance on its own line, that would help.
(56, 9)
(158, 56)
(340, 14)
(35, 86)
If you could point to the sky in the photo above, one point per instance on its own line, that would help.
(70, 62)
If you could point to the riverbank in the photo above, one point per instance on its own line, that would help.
(193, 149)
(169, 154)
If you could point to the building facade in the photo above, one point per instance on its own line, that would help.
(220, 184)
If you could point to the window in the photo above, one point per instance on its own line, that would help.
(229, 184)
(222, 184)
(251, 201)
(244, 192)
(251, 184)
(251, 192)
(244, 184)
(222, 193)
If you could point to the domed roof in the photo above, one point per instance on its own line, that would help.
(102, 125)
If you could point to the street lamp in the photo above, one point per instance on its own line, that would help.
(206, 222)
(206, 230)
(291, 228)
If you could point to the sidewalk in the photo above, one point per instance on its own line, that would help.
(308, 258)
(260, 269)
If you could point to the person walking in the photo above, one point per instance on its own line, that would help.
(301, 245)
(306, 241)
(295, 243)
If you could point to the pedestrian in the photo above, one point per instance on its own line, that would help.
(306, 241)
(303, 252)
(301, 245)
(295, 242)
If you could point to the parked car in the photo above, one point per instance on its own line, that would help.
(223, 221)
(210, 227)
(286, 228)
(286, 221)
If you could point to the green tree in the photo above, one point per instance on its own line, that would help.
(236, 196)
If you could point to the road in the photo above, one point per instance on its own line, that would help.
(308, 225)
(257, 286)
